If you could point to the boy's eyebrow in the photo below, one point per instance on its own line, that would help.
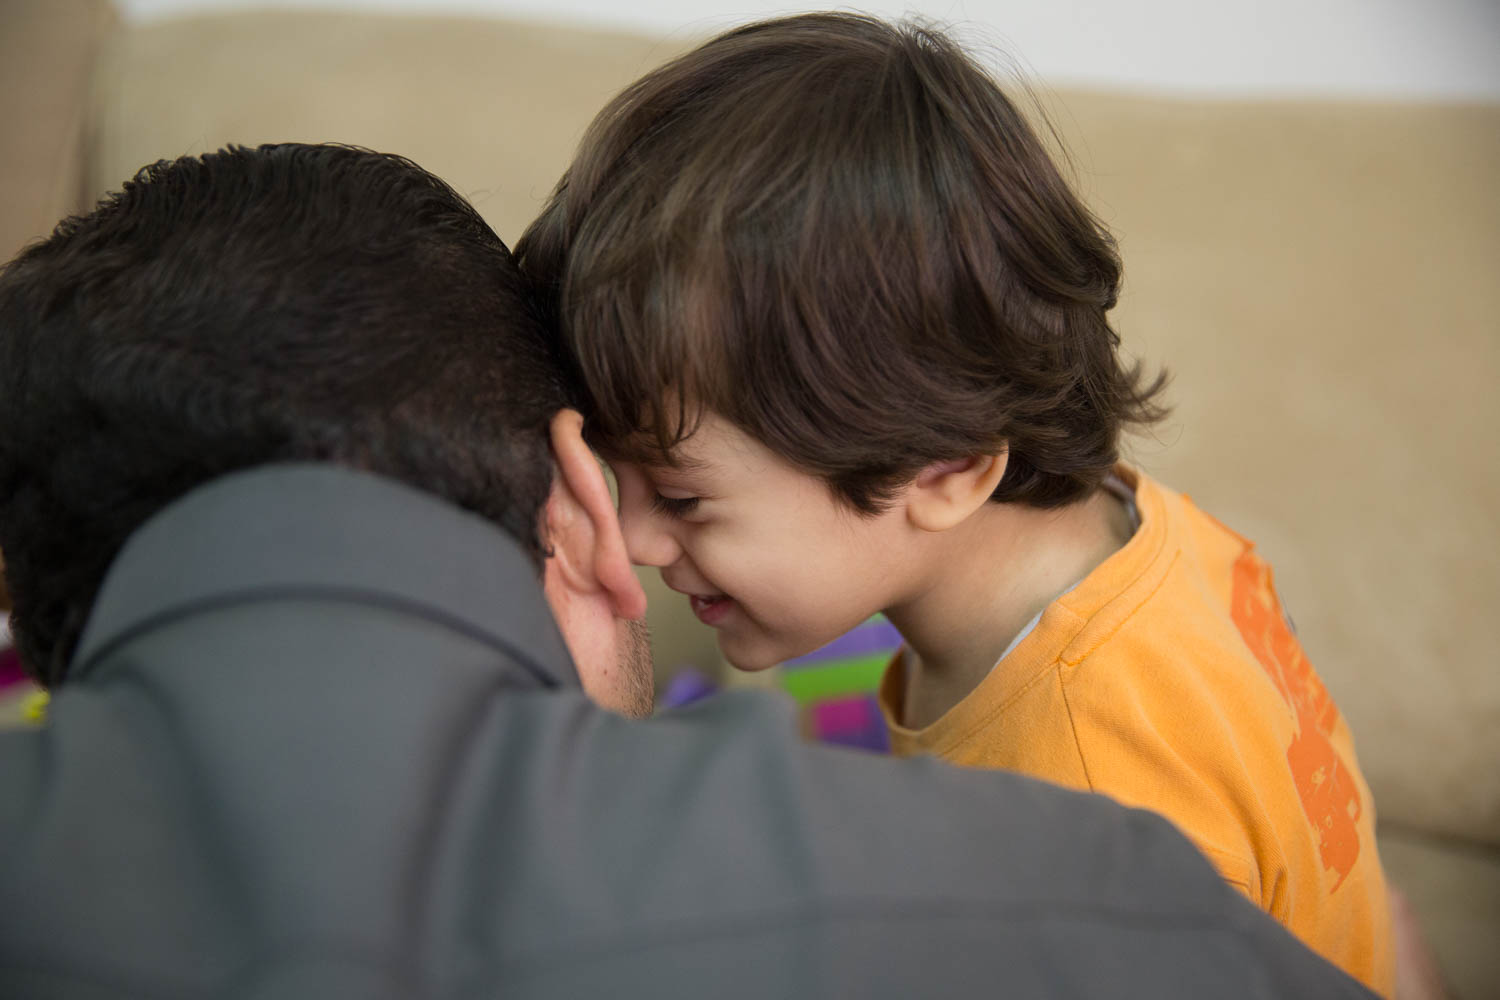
(688, 463)
(674, 459)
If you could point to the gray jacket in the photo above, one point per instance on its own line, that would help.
(322, 740)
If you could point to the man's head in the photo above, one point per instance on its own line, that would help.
(285, 303)
(836, 242)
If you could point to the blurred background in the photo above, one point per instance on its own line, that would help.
(1307, 198)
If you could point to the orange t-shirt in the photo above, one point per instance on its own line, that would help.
(1169, 679)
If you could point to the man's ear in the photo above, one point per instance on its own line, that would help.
(945, 493)
(583, 527)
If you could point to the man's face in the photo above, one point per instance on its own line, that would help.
(634, 692)
(613, 657)
(762, 550)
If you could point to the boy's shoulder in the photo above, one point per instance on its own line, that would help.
(1171, 667)
(1176, 577)
(1202, 703)
(1188, 605)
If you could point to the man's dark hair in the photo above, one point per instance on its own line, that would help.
(285, 303)
(841, 235)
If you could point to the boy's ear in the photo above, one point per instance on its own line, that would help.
(583, 528)
(947, 492)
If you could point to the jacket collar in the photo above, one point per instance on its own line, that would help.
(325, 530)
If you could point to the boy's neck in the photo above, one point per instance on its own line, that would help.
(990, 576)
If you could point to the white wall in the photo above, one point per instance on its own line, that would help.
(1376, 48)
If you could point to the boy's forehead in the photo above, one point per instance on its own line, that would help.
(641, 449)
(697, 456)
(712, 446)
(715, 444)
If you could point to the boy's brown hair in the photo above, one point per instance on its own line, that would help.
(840, 235)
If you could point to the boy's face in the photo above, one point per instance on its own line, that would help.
(762, 550)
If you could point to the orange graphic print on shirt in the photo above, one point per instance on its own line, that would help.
(1329, 794)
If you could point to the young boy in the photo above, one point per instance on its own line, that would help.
(844, 325)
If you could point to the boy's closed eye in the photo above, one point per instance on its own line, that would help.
(675, 507)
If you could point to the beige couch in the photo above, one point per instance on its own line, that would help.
(1321, 277)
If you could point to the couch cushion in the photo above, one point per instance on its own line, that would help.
(1454, 890)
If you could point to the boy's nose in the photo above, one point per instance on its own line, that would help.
(646, 540)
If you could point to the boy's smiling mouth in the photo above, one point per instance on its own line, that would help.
(710, 609)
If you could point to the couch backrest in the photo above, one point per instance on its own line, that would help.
(49, 50)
